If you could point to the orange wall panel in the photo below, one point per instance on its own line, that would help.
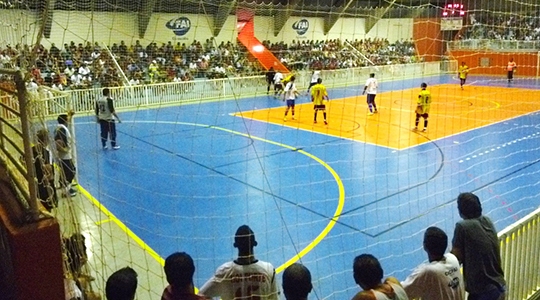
(497, 61)
(30, 253)
(428, 38)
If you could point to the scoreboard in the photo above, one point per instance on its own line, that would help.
(453, 10)
(452, 17)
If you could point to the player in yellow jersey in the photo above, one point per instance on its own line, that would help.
(422, 106)
(287, 79)
(318, 96)
(462, 73)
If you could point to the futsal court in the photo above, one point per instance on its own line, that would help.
(187, 176)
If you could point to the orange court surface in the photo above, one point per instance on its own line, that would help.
(453, 111)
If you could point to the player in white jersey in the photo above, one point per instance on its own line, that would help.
(441, 277)
(278, 83)
(290, 96)
(244, 278)
(314, 77)
(371, 89)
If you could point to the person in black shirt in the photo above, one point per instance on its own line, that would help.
(105, 116)
(270, 78)
(42, 155)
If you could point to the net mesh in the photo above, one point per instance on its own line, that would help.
(165, 61)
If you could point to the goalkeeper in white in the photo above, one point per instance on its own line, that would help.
(245, 277)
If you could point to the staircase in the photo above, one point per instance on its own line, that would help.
(246, 36)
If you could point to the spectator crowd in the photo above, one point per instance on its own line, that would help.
(485, 25)
(338, 54)
(83, 65)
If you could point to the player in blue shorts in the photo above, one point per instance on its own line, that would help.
(290, 96)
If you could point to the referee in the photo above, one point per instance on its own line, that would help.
(270, 79)
(104, 116)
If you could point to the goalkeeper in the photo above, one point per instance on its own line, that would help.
(422, 106)
(319, 96)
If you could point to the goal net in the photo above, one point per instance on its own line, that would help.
(208, 142)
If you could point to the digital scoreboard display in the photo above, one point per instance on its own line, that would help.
(453, 10)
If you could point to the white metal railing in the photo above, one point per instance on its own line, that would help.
(520, 253)
(496, 45)
(235, 87)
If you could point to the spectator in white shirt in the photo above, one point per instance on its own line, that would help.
(69, 71)
(85, 72)
(76, 79)
(32, 86)
(95, 55)
(440, 278)
(134, 81)
(57, 86)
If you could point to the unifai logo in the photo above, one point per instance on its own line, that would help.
(179, 26)
(301, 26)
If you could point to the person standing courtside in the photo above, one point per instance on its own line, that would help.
(476, 246)
(290, 97)
(371, 88)
(511, 69)
(318, 96)
(368, 274)
(43, 166)
(179, 269)
(270, 79)
(63, 142)
(122, 285)
(463, 70)
(423, 105)
(104, 115)
(296, 282)
(440, 278)
(244, 278)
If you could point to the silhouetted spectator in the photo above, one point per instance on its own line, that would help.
(476, 245)
(179, 269)
(43, 166)
(245, 277)
(121, 285)
(296, 282)
(368, 274)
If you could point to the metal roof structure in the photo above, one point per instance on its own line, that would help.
(280, 10)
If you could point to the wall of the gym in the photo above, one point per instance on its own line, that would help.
(494, 63)
(345, 28)
(109, 27)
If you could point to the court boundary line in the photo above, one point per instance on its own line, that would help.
(145, 247)
(476, 128)
(299, 254)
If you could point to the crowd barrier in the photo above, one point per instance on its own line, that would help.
(520, 253)
(494, 45)
(175, 93)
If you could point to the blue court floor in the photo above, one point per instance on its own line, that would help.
(187, 176)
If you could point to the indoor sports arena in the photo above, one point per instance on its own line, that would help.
(134, 130)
